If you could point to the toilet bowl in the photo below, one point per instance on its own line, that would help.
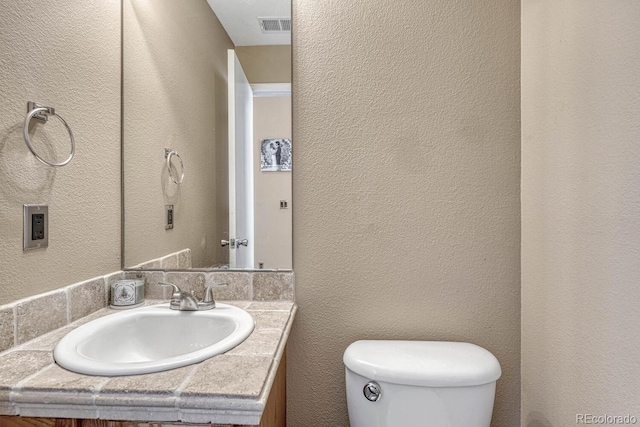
(420, 384)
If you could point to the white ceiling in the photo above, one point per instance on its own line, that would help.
(240, 19)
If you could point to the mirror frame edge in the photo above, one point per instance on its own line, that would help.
(122, 174)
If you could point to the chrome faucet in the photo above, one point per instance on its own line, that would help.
(187, 301)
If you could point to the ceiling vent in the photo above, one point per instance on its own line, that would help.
(275, 25)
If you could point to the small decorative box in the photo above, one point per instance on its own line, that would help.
(127, 293)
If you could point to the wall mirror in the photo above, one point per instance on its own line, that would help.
(206, 134)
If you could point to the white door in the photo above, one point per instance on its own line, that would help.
(241, 253)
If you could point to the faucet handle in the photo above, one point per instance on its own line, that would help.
(208, 293)
(182, 300)
(176, 290)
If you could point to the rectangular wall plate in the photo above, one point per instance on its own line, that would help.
(36, 227)
(168, 217)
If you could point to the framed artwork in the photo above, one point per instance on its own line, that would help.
(275, 155)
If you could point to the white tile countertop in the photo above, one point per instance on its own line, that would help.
(231, 388)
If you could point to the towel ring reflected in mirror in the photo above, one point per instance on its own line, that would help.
(169, 153)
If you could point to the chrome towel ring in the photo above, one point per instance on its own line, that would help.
(41, 113)
(169, 153)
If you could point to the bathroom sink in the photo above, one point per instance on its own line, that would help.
(152, 339)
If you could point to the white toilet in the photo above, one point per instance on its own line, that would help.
(420, 384)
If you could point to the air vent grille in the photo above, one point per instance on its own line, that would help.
(275, 25)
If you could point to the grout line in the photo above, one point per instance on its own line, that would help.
(165, 291)
(94, 397)
(96, 392)
(66, 292)
(100, 386)
(178, 392)
(105, 279)
(19, 384)
(293, 286)
(15, 325)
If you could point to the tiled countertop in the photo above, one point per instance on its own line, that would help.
(231, 388)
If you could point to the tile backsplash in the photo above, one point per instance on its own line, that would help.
(26, 319)
(37, 316)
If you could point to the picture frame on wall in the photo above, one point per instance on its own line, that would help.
(275, 155)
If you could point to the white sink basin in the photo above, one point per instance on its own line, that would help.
(152, 339)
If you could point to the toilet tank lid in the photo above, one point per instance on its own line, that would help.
(423, 363)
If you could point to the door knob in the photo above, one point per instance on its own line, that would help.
(231, 243)
(242, 242)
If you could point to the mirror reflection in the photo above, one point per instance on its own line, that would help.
(207, 134)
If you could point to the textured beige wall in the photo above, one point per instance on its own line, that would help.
(266, 64)
(65, 54)
(272, 119)
(580, 210)
(406, 187)
(175, 96)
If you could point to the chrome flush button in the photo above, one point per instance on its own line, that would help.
(372, 391)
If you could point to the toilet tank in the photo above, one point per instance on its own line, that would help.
(420, 383)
